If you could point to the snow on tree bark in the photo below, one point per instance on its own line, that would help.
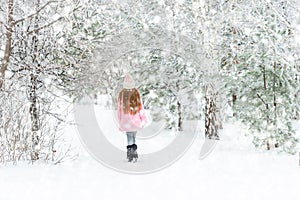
(33, 109)
(30, 118)
(8, 41)
(211, 112)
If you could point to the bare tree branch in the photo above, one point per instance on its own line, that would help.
(262, 100)
(8, 42)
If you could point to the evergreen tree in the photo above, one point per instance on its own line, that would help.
(266, 86)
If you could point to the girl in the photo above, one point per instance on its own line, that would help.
(131, 115)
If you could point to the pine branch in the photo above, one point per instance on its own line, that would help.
(287, 23)
(263, 25)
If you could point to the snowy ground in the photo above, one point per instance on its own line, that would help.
(234, 170)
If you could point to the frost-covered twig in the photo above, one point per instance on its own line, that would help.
(35, 13)
(4, 24)
(287, 23)
(262, 100)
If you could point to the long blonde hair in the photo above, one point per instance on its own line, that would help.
(130, 101)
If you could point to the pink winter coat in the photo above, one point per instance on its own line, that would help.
(129, 122)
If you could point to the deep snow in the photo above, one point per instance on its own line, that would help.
(234, 170)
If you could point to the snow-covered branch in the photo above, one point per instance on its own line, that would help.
(28, 33)
(4, 24)
(44, 26)
(35, 13)
(262, 100)
(287, 23)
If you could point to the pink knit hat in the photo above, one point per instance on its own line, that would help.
(128, 82)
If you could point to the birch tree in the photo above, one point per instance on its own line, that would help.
(28, 95)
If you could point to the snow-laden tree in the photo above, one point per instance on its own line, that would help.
(159, 42)
(172, 95)
(207, 21)
(259, 64)
(28, 93)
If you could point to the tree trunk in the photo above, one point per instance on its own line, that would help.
(34, 116)
(274, 101)
(274, 95)
(179, 116)
(175, 42)
(234, 98)
(266, 104)
(265, 87)
(33, 110)
(211, 124)
(8, 42)
(295, 110)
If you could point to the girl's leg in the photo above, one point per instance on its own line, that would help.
(133, 137)
(131, 147)
(130, 138)
(134, 148)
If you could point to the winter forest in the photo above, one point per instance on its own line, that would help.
(231, 66)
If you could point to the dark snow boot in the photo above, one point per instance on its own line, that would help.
(134, 153)
(129, 153)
